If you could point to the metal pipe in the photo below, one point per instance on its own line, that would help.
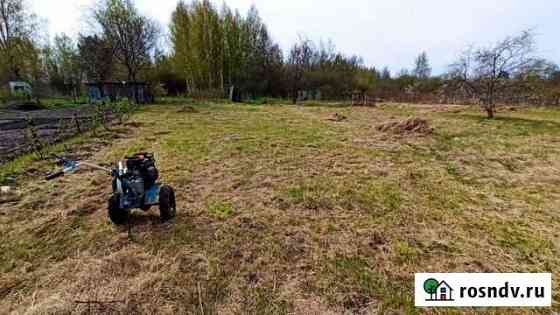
(96, 166)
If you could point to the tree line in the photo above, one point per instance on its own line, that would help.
(120, 46)
(220, 52)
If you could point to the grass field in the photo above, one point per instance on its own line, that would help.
(281, 210)
(44, 103)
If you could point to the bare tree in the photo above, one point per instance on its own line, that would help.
(488, 73)
(133, 37)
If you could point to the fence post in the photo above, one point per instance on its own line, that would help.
(32, 136)
(77, 123)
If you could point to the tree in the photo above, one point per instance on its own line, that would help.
(553, 85)
(214, 50)
(197, 38)
(422, 69)
(263, 58)
(132, 36)
(430, 287)
(96, 55)
(321, 71)
(63, 66)
(299, 62)
(181, 40)
(233, 52)
(404, 73)
(491, 72)
(386, 74)
(67, 60)
(17, 30)
(164, 74)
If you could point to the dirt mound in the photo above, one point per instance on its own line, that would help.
(134, 124)
(188, 109)
(411, 125)
(337, 117)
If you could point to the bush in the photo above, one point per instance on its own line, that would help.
(123, 109)
(159, 91)
(265, 101)
(6, 96)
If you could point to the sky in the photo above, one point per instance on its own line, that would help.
(383, 32)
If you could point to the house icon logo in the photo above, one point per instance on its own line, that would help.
(439, 291)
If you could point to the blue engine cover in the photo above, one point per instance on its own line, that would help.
(152, 195)
(129, 199)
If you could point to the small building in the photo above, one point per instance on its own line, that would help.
(114, 91)
(309, 95)
(20, 88)
(361, 98)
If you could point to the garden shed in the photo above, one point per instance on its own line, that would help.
(114, 91)
(20, 87)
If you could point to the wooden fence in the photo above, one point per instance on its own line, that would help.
(21, 132)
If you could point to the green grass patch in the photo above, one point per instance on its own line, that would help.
(352, 283)
(221, 209)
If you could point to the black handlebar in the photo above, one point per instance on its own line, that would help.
(55, 175)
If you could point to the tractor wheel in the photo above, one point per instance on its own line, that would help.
(116, 214)
(167, 208)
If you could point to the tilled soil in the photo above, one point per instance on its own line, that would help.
(51, 126)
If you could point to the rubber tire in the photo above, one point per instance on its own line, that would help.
(117, 216)
(167, 206)
(145, 207)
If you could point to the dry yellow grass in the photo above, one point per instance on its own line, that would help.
(282, 211)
